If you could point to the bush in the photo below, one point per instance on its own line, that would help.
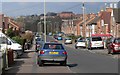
(10, 33)
(18, 39)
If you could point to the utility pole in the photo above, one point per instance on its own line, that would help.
(84, 25)
(44, 22)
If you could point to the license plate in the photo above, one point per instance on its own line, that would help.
(53, 53)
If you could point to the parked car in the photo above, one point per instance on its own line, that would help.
(11, 44)
(37, 36)
(95, 42)
(59, 38)
(50, 34)
(3, 50)
(68, 41)
(80, 43)
(78, 39)
(107, 42)
(17, 48)
(114, 45)
(55, 36)
(38, 44)
(52, 52)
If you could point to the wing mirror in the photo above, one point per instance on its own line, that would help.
(9, 43)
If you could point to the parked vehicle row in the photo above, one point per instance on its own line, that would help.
(95, 41)
(38, 42)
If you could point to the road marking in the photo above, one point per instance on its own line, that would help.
(69, 69)
(91, 51)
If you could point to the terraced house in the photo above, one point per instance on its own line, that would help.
(104, 22)
(7, 22)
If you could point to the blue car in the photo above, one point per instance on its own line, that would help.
(52, 52)
(59, 38)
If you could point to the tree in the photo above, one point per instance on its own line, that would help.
(10, 33)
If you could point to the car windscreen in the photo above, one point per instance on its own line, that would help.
(68, 39)
(13, 41)
(117, 40)
(3, 40)
(53, 46)
(96, 39)
(81, 40)
(37, 35)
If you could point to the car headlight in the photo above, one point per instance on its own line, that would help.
(116, 48)
(20, 47)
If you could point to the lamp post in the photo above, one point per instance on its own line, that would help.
(39, 27)
(44, 22)
(81, 30)
(84, 25)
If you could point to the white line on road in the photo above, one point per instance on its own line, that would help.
(69, 69)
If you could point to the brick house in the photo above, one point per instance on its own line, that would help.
(82, 27)
(116, 25)
(114, 21)
(7, 22)
(67, 22)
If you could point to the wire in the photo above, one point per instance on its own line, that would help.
(30, 8)
(72, 7)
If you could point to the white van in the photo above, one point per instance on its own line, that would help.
(3, 47)
(11, 44)
(17, 48)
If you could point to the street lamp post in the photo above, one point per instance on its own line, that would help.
(84, 21)
(44, 22)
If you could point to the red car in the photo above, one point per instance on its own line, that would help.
(114, 46)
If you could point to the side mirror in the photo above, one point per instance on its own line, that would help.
(9, 43)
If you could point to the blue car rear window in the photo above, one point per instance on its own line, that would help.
(53, 46)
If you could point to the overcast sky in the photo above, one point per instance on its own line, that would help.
(28, 8)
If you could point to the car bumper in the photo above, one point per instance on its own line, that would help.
(19, 52)
(116, 50)
(99, 46)
(52, 58)
(80, 45)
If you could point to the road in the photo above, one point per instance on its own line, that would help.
(79, 61)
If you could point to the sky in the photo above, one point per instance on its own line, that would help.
(59, 0)
(15, 8)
